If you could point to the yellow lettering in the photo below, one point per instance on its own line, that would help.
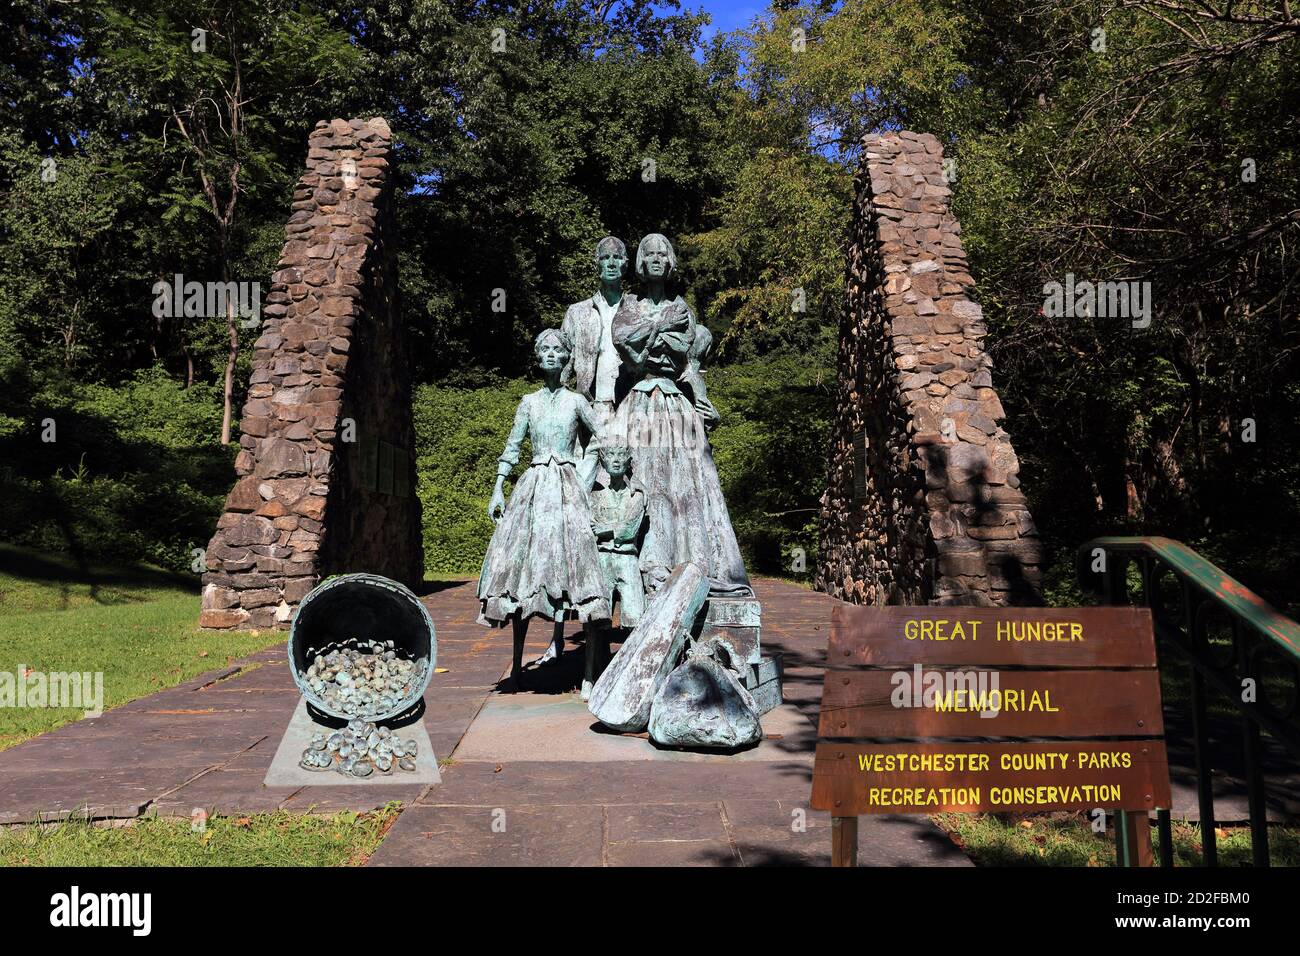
(1042, 701)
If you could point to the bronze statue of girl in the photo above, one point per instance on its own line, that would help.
(543, 558)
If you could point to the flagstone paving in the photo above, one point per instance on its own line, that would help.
(536, 783)
(527, 778)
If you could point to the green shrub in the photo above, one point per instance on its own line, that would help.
(459, 434)
(770, 450)
(135, 470)
(771, 453)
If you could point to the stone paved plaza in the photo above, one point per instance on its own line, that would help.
(536, 763)
(558, 791)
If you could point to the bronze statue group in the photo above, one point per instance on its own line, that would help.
(622, 487)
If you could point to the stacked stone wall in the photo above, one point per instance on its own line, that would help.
(923, 502)
(325, 476)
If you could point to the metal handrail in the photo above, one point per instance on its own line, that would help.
(1206, 596)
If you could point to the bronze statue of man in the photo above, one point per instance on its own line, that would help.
(596, 363)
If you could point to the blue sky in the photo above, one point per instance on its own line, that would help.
(727, 14)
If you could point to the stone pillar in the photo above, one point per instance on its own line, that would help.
(326, 471)
(923, 502)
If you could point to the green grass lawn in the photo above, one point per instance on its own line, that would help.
(261, 839)
(134, 623)
(1068, 840)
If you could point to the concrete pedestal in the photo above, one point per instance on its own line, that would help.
(285, 772)
(763, 681)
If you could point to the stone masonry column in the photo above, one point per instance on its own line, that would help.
(923, 502)
(326, 471)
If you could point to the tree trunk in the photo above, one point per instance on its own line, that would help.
(70, 335)
(228, 391)
(228, 387)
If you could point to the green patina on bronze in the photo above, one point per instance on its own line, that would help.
(636, 419)
(542, 559)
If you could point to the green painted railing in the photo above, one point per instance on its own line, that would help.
(1232, 640)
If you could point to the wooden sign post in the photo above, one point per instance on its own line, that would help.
(956, 709)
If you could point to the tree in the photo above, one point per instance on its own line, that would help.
(1144, 141)
(219, 76)
(58, 272)
(526, 134)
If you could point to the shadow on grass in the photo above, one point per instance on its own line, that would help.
(114, 489)
(104, 583)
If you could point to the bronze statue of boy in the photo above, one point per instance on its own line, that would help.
(618, 518)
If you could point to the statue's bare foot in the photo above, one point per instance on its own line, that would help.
(586, 689)
(552, 653)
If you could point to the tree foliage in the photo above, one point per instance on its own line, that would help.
(1112, 140)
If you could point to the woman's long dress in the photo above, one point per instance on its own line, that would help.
(671, 456)
(543, 558)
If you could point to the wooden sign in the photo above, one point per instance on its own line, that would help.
(912, 697)
(982, 777)
(990, 637)
(1028, 703)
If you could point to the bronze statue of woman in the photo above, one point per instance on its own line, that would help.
(664, 420)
